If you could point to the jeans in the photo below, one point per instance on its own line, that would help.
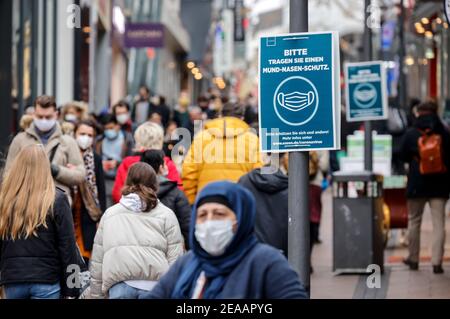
(32, 291)
(124, 291)
(415, 210)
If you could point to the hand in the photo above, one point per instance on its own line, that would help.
(109, 165)
(106, 165)
(113, 164)
(70, 166)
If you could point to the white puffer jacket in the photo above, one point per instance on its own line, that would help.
(131, 245)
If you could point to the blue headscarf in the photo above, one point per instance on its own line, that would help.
(217, 268)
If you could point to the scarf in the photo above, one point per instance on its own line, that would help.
(91, 180)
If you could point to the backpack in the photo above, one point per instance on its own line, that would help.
(430, 153)
(313, 164)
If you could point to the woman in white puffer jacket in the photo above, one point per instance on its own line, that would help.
(136, 242)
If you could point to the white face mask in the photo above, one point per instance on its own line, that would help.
(122, 118)
(71, 118)
(84, 141)
(214, 236)
(44, 125)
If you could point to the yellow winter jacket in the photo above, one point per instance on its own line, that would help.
(225, 150)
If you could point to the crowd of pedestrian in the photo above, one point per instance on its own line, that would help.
(109, 194)
(150, 211)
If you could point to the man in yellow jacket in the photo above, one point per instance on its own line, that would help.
(226, 149)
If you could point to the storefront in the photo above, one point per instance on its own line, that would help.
(427, 56)
(29, 57)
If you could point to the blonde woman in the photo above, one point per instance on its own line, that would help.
(148, 136)
(37, 239)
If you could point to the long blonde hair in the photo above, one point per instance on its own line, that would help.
(27, 194)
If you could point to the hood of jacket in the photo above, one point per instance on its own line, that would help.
(133, 202)
(226, 127)
(429, 121)
(268, 183)
(165, 186)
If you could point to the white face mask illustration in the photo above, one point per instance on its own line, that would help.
(365, 95)
(295, 101)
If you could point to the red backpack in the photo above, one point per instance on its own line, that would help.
(430, 153)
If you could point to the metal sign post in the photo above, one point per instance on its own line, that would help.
(368, 160)
(299, 112)
(299, 252)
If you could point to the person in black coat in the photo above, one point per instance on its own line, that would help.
(169, 193)
(162, 109)
(423, 188)
(271, 193)
(38, 252)
(89, 198)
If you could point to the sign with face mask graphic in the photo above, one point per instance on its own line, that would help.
(299, 92)
(366, 91)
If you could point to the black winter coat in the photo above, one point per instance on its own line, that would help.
(170, 195)
(433, 185)
(271, 194)
(44, 258)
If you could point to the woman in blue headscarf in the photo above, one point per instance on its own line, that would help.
(226, 260)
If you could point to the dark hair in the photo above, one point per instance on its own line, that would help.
(202, 98)
(427, 107)
(145, 88)
(142, 180)
(45, 101)
(414, 102)
(154, 158)
(108, 118)
(162, 100)
(233, 109)
(120, 104)
(89, 123)
(172, 122)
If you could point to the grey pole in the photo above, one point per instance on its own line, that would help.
(298, 204)
(402, 90)
(367, 57)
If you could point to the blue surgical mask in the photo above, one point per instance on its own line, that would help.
(111, 134)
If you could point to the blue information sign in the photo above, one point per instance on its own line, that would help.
(299, 92)
(366, 91)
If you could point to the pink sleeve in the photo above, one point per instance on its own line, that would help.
(118, 183)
